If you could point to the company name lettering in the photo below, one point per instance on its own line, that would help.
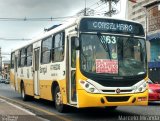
(112, 26)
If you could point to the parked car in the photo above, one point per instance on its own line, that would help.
(154, 91)
(0, 78)
(3, 80)
(7, 81)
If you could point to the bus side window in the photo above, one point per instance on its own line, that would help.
(12, 60)
(23, 57)
(58, 47)
(46, 50)
(29, 55)
(73, 53)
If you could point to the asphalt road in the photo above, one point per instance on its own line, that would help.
(46, 110)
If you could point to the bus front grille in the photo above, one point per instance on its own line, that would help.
(117, 99)
(114, 91)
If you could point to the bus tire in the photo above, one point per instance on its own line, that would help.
(23, 94)
(60, 107)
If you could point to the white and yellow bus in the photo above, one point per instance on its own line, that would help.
(87, 62)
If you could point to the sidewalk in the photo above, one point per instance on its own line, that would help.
(12, 112)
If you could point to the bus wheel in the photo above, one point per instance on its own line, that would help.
(58, 100)
(111, 108)
(23, 95)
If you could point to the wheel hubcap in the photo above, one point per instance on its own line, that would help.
(22, 93)
(58, 98)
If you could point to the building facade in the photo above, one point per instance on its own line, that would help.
(147, 12)
(6, 70)
(0, 61)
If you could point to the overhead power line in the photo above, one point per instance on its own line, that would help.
(96, 3)
(98, 7)
(15, 39)
(5, 53)
(36, 19)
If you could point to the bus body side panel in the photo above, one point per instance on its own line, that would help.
(46, 89)
(45, 81)
(13, 71)
(51, 73)
(28, 82)
(63, 90)
(29, 87)
(12, 81)
(19, 82)
(48, 74)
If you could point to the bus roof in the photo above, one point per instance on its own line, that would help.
(70, 22)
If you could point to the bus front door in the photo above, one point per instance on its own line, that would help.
(36, 71)
(72, 71)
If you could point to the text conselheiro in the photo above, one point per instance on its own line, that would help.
(112, 26)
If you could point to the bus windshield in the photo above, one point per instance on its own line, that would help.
(112, 55)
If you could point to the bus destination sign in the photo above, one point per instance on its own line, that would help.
(111, 26)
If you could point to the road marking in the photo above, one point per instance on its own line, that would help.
(43, 119)
(37, 108)
(2, 100)
(22, 109)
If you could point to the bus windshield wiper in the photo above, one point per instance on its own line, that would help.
(84, 56)
(102, 41)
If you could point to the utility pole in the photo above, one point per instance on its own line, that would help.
(85, 9)
(111, 10)
(110, 6)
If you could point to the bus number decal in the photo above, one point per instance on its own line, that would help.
(108, 39)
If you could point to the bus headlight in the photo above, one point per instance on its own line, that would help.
(142, 87)
(88, 87)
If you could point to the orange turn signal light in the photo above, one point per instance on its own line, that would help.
(142, 99)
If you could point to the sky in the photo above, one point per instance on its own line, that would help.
(39, 9)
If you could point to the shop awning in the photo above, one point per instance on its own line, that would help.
(153, 36)
(154, 64)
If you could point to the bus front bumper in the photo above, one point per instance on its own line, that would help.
(86, 99)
